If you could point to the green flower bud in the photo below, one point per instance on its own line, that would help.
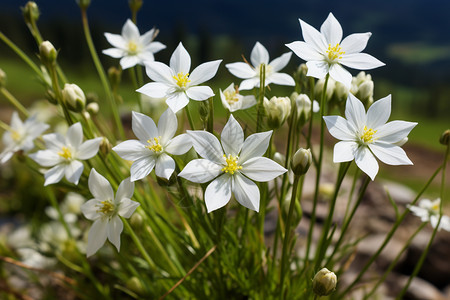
(30, 12)
(204, 110)
(84, 4)
(135, 285)
(340, 94)
(74, 97)
(2, 78)
(105, 146)
(135, 5)
(92, 108)
(301, 161)
(318, 88)
(445, 138)
(115, 76)
(47, 53)
(324, 282)
(136, 220)
(303, 104)
(362, 88)
(278, 110)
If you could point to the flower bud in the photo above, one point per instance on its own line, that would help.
(204, 111)
(84, 4)
(74, 97)
(47, 53)
(92, 108)
(136, 220)
(105, 146)
(278, 110)
(135, 5)
(114, 75)
(445, 138)
(279, 158)
(30, 12)
(2, 78)
(303, 104)
(362, 88)
(135, 285)
(324, 282)
(340, 94)
(301, 161)
(319, 88)
(300, 77)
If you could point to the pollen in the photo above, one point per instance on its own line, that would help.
(182, 79)
(132, 47)
(367, 136)
(154, 145)
(65, 153)
(232, 165)
(106, 207)
(15, 135)
(335, 52)
(231, 96)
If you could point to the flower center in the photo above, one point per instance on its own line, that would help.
(232, 165)
(334, 52)
(132, 48)
(435, 208)
(15, 135)
(231, 96)
(367, 136)
(65, 153)
(182, 79)
(106, 208)
(154, 145)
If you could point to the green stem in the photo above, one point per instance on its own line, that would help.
(139, 245)
(189, 116)
(133, 72)
(210, 126)
(262, 91)
(58, 94)
(14, 102)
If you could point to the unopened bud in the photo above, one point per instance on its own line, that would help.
(2, 78)
(92, 108)
(301, 161)
(279, 158)
(445, 138)
(318, 89)
(278, 110)
(135, 285)
(84, 4)
(324, 282)
(115, 76)
(340, 92)
(135, 5)
(105, 146)
(136, 220)
(30, 12)
(47, 53)
(74, 97)
(204, 110)
(303, 104)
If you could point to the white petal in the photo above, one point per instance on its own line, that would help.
(180, 61)
(313, 37)
(338, 128)
(177, 101)
(282, 79)
(89, 148)
(204, 72)
(116, 40)
(262, 169)
(201, 171)
(160, 72)
(114, 229)
(124, 191)
(5, 156)
(145, 57)
(54, 175)
(355, 43)
(74, 136)
(332, 30)
(89, 209)
(165, 165)
(360, 61)
(155, 47)
(154, 90)
(241, 70)
(379, 112)
(232, 137)
(46, 158)
(143, 127)
(246, 192)
(54, 141)
(259, 55)
(355, 113)
(394, 131)
(317, 68)
(255, 145)
(207, 145)
(127, 62)
(248, 84)
(73, 171)
(304, 51)
(390, 154)
(99, 187)
(130, 31)
(167, 126)
(131, 150)
(114, 52)
(338, 73)
(96, 237)
(142, 167)
(366, 162)
(248, 101)
(147, 37)
(280, 62)
(179, 145)
(199, 93)
(344, 151)
(218, 193)
(127, 207)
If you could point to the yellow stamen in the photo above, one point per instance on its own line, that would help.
(65, 153)
(132, 47)
(231, 96)
(335, 52)
(232, 165)
(182, 79)
(154, 145)
(15, 135)
(107, 207)
(367, 136)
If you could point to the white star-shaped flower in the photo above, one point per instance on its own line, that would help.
(64, 154)
(234, 162)
(233, 101)
(326, 51)
(428, 211)
(251, 74)
(105, 210)
(154, 145)
(131, 47)
(365, 136)
(21, 135)
(175, 83)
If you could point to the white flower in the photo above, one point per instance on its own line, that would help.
(175, 83)
(429, 211)
(251, 74)
(69, 208)
(153, 146)
(365, 136)
(325, 51)
(234, 162)
(132, 47)
(21, 135)
(233, 101)
(105, 210)
(64, 154)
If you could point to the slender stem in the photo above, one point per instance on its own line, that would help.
(210, 126)
(133, 72)
(139, 245)
(58, 94)
(189, 116)
(262, 91)
(14, 101)
(54, 203)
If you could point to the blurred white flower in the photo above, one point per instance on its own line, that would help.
(70, 208)
(251, 74)
(326, 51)
(132, 47)
(233, 101)
(365, 136)
(234, 162)
(428, 211)
(153, 146)
(105, 210)
(64, 154)
(35, 259)
(175, 83)
(21, 135)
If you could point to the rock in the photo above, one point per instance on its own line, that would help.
(419, 289)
